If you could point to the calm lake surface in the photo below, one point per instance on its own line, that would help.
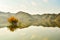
(31, 33)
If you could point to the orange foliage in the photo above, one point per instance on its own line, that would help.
(12, 29)
(12, 19)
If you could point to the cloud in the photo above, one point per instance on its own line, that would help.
(33, 36)
(45, 1)
(13, 8)
(34, 3)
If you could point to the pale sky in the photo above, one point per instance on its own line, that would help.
(30, 6)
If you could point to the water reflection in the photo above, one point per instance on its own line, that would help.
(31, 33)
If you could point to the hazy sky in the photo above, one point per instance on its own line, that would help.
(30, 6)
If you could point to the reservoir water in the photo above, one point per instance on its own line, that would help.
(31, 33)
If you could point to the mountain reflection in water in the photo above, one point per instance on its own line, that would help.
(31, 33)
